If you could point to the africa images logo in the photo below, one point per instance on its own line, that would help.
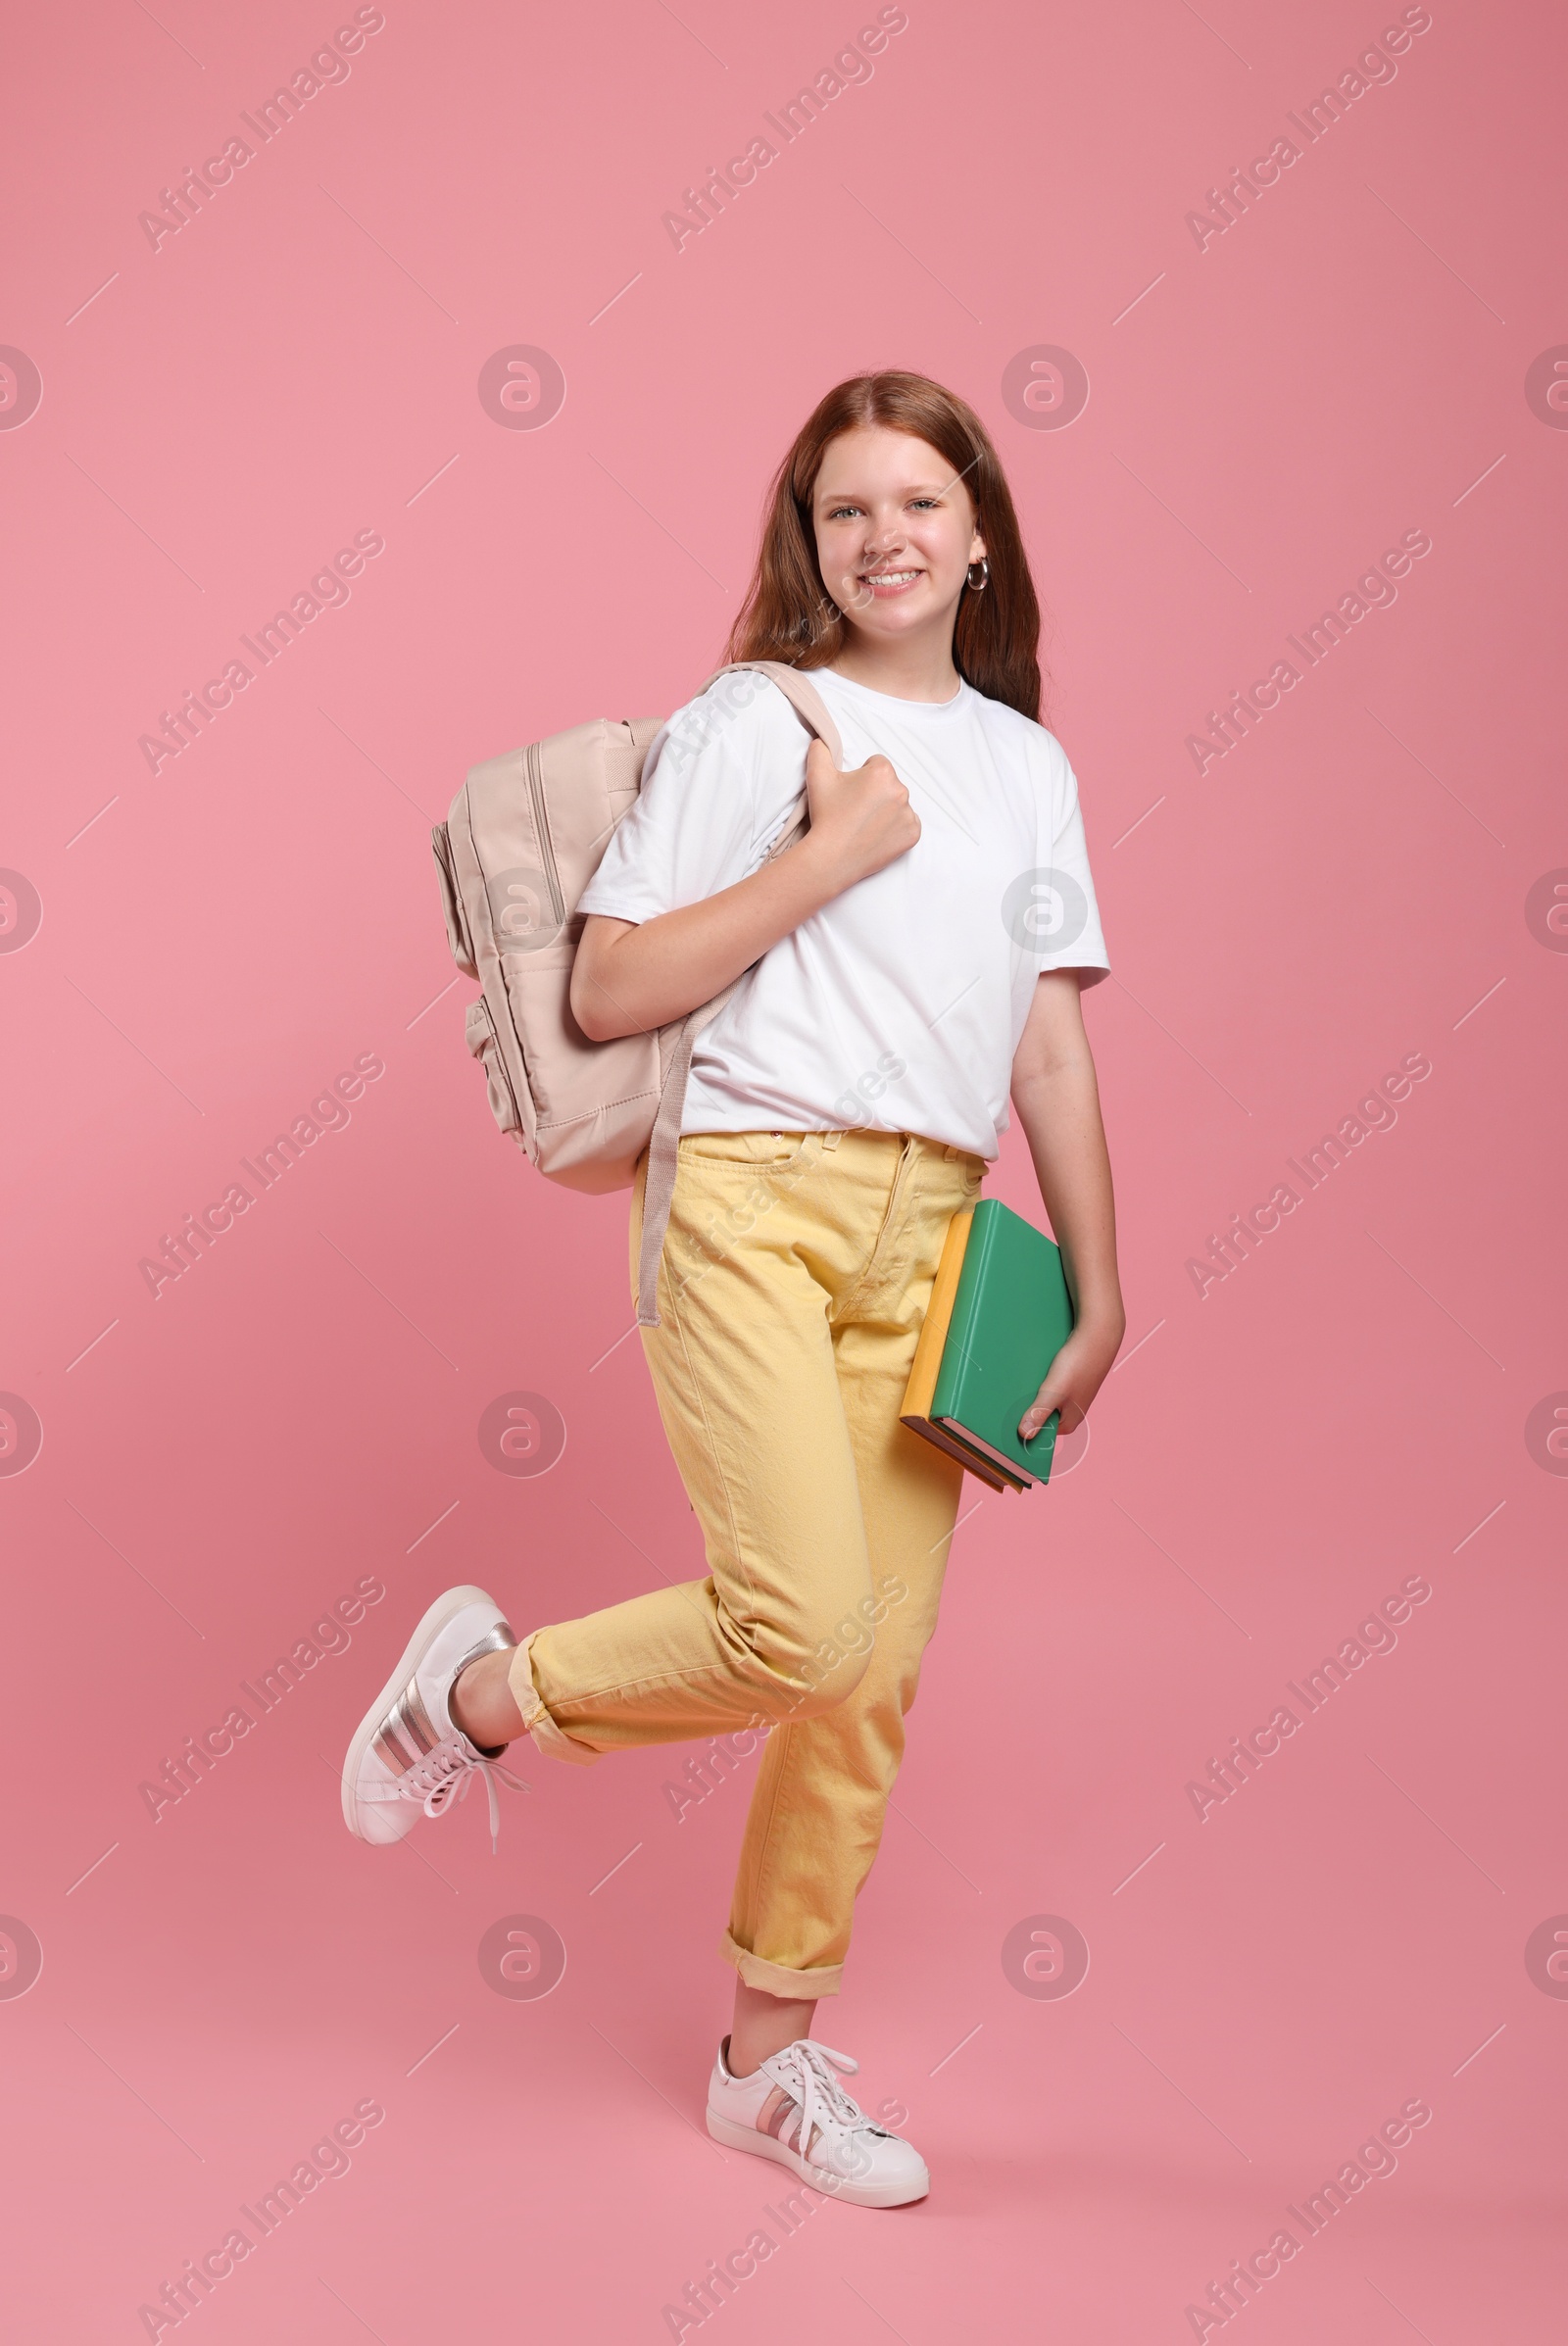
(329, 589)
(192, 192)
(181, 1250)
(521, 1434)
(719, 189)
(21, 389)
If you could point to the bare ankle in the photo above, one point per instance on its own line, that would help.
(764, 2025)
(481, 1701)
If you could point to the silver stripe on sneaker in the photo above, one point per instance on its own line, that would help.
(407, 1734)
(408, 1731)
(398, 1756)
(413, 1720)
(780, 2115)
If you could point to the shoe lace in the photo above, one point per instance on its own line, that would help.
(805, 2071)
(445, 1775)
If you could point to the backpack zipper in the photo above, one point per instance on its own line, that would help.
(541, 828)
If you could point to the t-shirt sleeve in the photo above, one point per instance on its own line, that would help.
(1064, 917)
(713, 796)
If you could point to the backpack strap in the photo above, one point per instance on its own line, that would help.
(802, 695)
(663, 1149)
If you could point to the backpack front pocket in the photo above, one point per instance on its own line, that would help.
(479, 1032)
(457, 936)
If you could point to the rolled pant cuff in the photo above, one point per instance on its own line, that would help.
(776, 1979)
(537, 1722)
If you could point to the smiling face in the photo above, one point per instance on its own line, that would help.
(895, 534)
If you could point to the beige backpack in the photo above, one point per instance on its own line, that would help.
(523, 840)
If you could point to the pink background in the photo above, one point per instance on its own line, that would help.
(1350, 885)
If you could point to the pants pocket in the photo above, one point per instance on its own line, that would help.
(764, 1152)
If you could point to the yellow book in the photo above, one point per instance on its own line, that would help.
(921, 1387)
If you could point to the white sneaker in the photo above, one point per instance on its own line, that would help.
(409, 1758)
(793, 2109)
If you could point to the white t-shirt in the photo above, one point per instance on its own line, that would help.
(900, 1004)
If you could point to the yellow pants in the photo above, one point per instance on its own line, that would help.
(795, 1277)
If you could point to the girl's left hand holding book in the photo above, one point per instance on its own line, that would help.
(1075, 1376)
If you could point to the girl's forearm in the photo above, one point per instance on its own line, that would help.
(630, 977)
(1059, 1111)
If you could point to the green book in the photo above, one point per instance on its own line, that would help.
(1000, 1313)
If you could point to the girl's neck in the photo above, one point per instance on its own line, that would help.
(911, 671)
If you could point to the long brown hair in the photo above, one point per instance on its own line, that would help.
(788, 613)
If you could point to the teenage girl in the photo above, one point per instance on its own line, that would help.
(912, 959)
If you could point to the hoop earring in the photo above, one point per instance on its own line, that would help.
(978, 586)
